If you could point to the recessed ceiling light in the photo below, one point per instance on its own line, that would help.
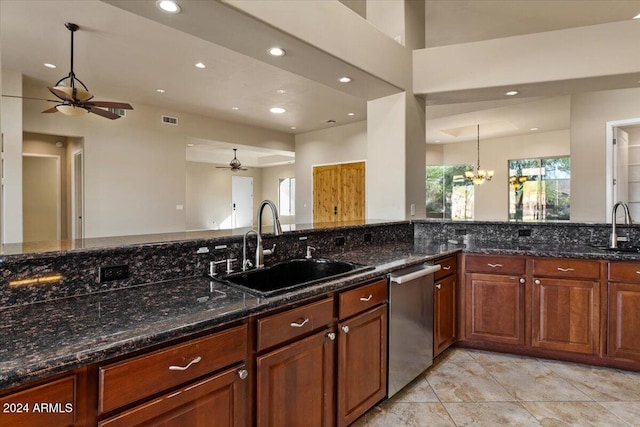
(281, 91)
(168, 6)
(437, 140)
(235, 108)
(637, 16)
(344, 79)
(46, 64)
(200, 65)
(533, 129)
(277, 110)
(190, 145)
(512, 93)
(160, 90)
(351, 114)
(293, 127)
(276, 51)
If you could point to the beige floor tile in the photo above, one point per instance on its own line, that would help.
(601, 384)
(409, 415)
(578, 414)
(490, 357)
(628, 411)
(510, 414)
(532, 381)
(416, 392)
(465, 382)
(454, 355)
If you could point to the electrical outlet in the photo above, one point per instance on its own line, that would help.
(367, 237)
(113, 272)
(461, 232)
(339, 240)
(525, 232)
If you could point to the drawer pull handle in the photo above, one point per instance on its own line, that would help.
(565, 270)
(184, 368)
(495, 265)
(331, 336)
(637, 272)
(243, 374)
(366, 299)
(345, 329)
(438, 286)
(299, 324)
(446, 267)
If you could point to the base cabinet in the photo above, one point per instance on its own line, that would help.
(444, 305)
(623, 325)
(295, 383)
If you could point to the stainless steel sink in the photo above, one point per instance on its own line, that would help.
(292, 274)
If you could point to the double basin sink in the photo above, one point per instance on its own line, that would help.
(291, 274)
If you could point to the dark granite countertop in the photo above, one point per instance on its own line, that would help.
(46, 338)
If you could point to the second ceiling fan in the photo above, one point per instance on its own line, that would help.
(234, 164)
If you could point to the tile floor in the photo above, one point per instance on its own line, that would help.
(478, 388)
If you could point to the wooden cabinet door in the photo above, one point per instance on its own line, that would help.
(362, 363)
(339, 192)
(295, 383)
(624, 321)
(566, 315)
(219, 400)
(494, 308)
(444, 314)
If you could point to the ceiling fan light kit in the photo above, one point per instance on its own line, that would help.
(234, 164)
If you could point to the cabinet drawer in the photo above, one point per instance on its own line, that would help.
(495, 264)
(575, 268)
(293, 323)
(362, 298)
(48, 405)
(624, 272)
(449, 266)
(134, 379)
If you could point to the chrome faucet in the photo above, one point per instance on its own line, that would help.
(613, 243)
(246, 262)
(277, 230)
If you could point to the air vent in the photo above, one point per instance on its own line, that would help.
(330, 121)
(168, 120)
(119, 111)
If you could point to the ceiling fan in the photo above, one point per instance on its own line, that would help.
(234, 164)
(74, 99)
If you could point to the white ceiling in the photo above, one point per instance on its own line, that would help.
(126, 56)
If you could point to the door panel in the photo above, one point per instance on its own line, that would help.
(339, 192)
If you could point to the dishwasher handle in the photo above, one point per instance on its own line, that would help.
(411, 274)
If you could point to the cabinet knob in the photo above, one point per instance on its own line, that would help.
(331, 336)
(537, 282)
(438, 286)
(522, 280)
(345, 329)
(300, 323)
(243, 374)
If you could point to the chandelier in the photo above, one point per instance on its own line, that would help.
(478, 176)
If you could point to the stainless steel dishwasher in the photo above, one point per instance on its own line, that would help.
(410, 324)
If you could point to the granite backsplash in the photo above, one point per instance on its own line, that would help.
(149, 263)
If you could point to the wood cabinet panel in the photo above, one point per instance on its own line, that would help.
(362, 363)
(494, 308)
(220, 400)
(444, 311)
(51, 404)
(628, 272)
(570, 268)
(495, 264)
(448, 266)
(295, 383)
(624, 321)
(282, 327)
(362, 298)
(134, 379)
(566, 315)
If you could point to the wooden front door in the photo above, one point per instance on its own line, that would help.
(339, 192)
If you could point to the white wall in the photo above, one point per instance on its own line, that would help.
(135, 167)
(491, 199)
(340, 144)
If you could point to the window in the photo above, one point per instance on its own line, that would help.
(449, 195)
(539, 189)
(287, 196)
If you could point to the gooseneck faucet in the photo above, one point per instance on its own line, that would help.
(277, 230)
(613, 243)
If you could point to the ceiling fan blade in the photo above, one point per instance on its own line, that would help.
(103, 113)
(109, 104)
(51, 110)
(28, 97)
(60, 94)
